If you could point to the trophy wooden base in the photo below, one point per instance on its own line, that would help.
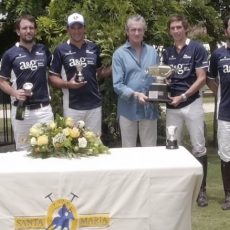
(158, 93)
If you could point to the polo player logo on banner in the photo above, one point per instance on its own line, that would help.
(62, 215)
(65, 215)
(63, 219)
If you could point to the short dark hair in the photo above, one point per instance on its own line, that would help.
(180, 18)
(25, 17)
(226, 20)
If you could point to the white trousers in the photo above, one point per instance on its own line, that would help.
(92, 117)
(147, 130)
(193, 117)
(223, 135)
(21, 127)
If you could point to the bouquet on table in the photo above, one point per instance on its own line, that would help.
(63, 138)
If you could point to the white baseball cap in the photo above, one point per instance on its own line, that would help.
(75, 18)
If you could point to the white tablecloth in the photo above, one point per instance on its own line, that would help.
(148, 188)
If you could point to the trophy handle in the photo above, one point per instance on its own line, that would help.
(169, 73)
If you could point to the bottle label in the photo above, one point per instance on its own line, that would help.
(20, 112)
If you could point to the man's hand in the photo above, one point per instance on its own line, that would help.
(140, 97)
(73, 84)
(175, 101)
(20, 95)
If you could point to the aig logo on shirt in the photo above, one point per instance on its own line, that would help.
(28, 65)
(180, 68)
(226, 68)
(73, 62)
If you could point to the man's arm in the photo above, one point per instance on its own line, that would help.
(6, 88)
(58, 82)
(200, 82)
(119, 87)
(212, 84)
(104, 72)
(196, 86)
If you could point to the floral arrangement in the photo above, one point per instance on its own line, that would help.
(64, 138)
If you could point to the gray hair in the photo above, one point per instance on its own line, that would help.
(136, 18)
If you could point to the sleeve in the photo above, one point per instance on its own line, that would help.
(49, 56)
(213, 70)
(118, 72)
(56, 62)
(165, 57)
(99, 62)
(201, 57)
(6, 66)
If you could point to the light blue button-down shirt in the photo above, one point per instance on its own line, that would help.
(129, 76)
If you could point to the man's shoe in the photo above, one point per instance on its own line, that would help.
(226, 204)
(202, 200)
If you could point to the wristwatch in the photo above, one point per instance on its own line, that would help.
(184, 97)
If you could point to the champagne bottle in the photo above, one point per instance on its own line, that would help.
(20, 112)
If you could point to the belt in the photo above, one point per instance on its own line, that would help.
(36, 106)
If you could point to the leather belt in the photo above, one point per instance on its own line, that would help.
(35, 106)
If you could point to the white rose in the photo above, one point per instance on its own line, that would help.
(66, 131)
(33, 141)
(82, 142)
(80, 124)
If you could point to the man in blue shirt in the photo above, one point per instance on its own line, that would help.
(81, 99)
(26, 62)
(190, 61)
(219, 80)
(131, 83)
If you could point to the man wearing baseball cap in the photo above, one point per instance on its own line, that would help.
(75, 68)
(75, 18)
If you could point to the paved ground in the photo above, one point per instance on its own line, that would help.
(209, 107)
(7, 148)
(4, 115)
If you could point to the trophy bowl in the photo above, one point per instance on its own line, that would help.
(158, 90)
(28, 88)
(79, 76)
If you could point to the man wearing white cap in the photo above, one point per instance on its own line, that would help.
(75, 67)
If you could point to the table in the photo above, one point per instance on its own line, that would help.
(147, 188)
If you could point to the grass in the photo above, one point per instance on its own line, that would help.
(211, 217)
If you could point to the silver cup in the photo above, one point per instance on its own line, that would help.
(79, 77)
(171, 138)
(158, 90)
(28, 86)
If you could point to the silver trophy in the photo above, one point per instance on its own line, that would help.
(158, 90)
(79, 76)
(171, 140)
(28, 88)
(21, 106)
